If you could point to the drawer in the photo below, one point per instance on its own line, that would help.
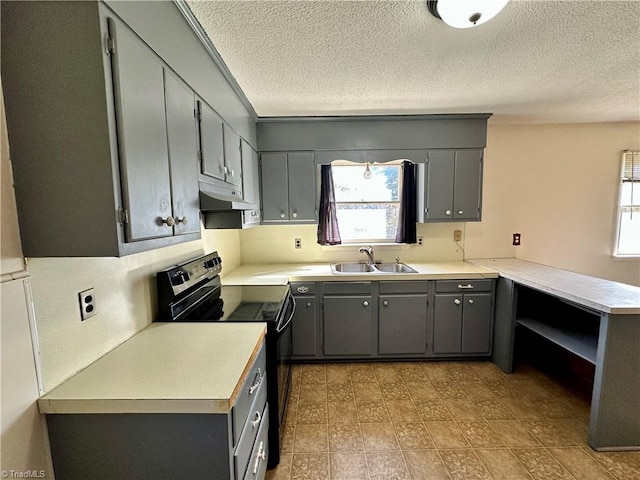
(303, 288)
(449, 286)
(249, 391)
(404, 287)
(257, 468)
(346, 288)
(250, 431)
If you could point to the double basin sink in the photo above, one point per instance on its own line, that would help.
(365, 268)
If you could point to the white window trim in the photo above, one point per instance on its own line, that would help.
(616, 255)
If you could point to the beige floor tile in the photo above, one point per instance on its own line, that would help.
(553, 433)
(314, 374)
(503, 388)
(461, 372)
(394, 391)
(348, 466)
(432, 410)
(367, 392)
(480, 434)
(476, 390)
(580, 464)
(386, 373)
(345, 437)
(387, 465)
(425, 465)
(411, 372)
(379, 436)
(402, 411)
(493, 409)
(312, 413)
(288, 435)
(502, 464)
(340, 392)
(413, 436)
(291, 413)
(462, 409)
(338, 373)
(488, 371)
(622, 465)
(342, 412)
(310, 466)
(523, 408)
(541, 464)
(312, 393)
(362, 373)
(310, 439)
(448, 389)
(283, 470)
(446, 434)
(372, 412)
(422, 390)
(436, 372)
(554, 408)
(464, 465)
(514, 433)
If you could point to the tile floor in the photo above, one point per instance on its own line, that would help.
(439, 420)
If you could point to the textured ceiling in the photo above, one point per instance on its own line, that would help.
(537, 61)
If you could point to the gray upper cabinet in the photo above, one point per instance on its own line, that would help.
(250, 184)
(108, 180)
(232, 157)
(288, 188)
(452, 186)
(211, 142)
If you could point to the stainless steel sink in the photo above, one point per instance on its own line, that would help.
(352, 268)
(394, 268)
(360, 268)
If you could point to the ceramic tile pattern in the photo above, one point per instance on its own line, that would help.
(439, 420)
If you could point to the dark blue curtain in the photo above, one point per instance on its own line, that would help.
(328, 231)
(406, 232)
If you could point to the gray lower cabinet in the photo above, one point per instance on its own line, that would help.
(167, 446)
(452, 189)
(305, 321)
(110, 178)
(402, 318)
(288, 188)
(463, 321)
(349, 320)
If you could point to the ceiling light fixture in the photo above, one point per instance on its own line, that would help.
(367, 172)
(465, 13)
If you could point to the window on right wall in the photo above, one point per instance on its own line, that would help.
(628, 232)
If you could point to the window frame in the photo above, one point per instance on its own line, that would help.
(620, 206)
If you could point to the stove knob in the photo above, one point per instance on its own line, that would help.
(185, 277)
(209, 264)
(178, 280)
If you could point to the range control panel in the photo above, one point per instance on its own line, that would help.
(184, 276)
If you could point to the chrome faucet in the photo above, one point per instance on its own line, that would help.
(369, 251)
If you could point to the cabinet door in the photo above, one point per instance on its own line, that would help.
(447, 323)
(402, 325)
(348, 325)
(211, 142)
(467, 185)
(142, 135)
(304, 327)
(275, 196)
(439, 171)
(250, 182)
(302, 193)
(232, 158)
(476, 323)
(183, 154)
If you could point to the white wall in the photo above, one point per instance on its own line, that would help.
(557, 185)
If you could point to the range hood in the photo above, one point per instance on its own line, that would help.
(222, 208)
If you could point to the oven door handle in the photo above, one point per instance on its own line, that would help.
(284, 323)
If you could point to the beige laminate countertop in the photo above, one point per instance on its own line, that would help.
(597, 293)
(281, 274)
(165, 368)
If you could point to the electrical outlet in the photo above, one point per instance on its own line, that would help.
(298, 243)
(457, 235)
(516, 239)
(420, 241)
(87, 300)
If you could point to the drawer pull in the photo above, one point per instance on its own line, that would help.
(302, 289)
(468, 286)
(470, 301)
(256, 422)
(256, 383)
(261, 456)
(456, 301)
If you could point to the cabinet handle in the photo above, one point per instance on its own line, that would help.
(169, 221)
(470, 301)
(231, 173)
(282, 215)
(308, 304)
(182, 221)
(385, 303)
(261, 456)
(457, 301)
(256, 383)
(365, 304)
(256, 422)
(460, 212)
(447, 212)
(294, 214)
(468, 286)
(302, 289)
